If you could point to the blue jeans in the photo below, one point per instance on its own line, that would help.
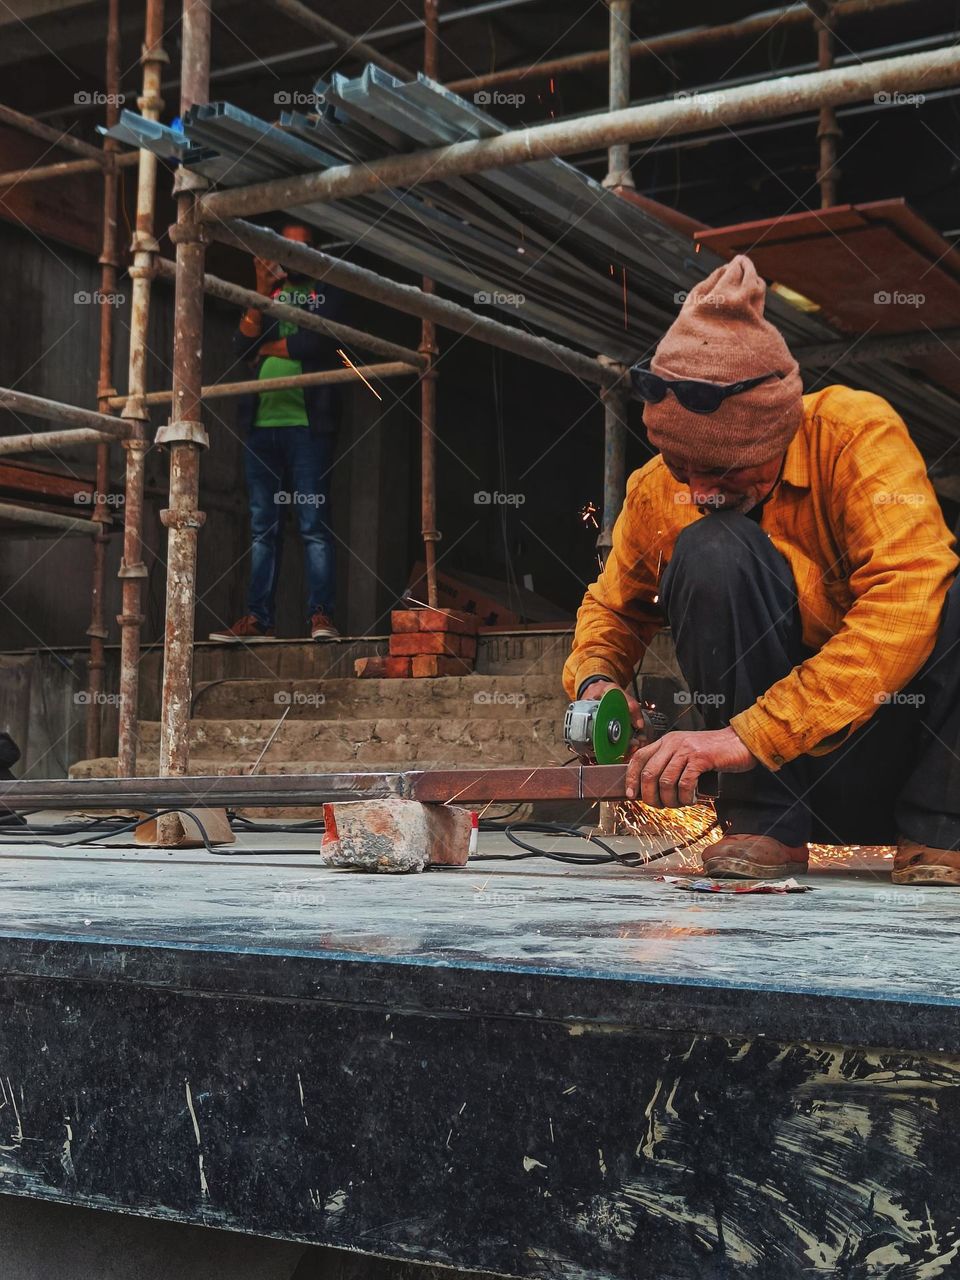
(288, 468)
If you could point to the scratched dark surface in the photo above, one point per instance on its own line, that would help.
(520, 1070)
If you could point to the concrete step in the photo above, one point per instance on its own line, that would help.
(454, 697)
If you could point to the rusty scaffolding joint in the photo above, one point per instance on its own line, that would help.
(171, 519)
(183, 432)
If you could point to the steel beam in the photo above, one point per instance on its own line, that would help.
(434, 786)
(787, 95)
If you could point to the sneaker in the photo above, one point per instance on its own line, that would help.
(922, 864)
(753, 857)
(321, 627)
(247, 631)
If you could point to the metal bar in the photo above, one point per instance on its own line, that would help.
(788, 95)
(429, 351)
(893, 347)
(64, 169)
(184, 434)
(828, 131)
(431, 786)
(34, 441)
(27, 124)
(55, 411)
(46, 519)
(614, 461)
(670, 42)
(132, 570)
(618, 156)
(412, 301)
(109, 265)
(343, 40)
(326, 377)
(230, 292)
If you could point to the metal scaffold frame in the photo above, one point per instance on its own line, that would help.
(204, 216)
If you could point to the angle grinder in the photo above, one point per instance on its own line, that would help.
(601, 730)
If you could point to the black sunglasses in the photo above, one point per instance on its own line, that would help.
(698, 397)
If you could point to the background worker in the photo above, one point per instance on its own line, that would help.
(797, 549)
(289, 439)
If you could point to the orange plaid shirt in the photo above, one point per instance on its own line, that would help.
(859, 524)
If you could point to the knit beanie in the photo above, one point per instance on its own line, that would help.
(721, 336)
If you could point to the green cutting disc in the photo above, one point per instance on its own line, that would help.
(611, 728)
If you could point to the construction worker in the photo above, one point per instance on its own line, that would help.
(797, 550)
(288, 439)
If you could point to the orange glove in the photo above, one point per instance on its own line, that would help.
(278, 347)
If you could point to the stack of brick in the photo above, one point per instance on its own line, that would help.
(426, 642)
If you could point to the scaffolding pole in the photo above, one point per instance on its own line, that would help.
(109, 265)
(428, 379)
(787, 95)
(135, 413)
(62, 169)
(828, 130)
(184, 434)
(36, 440)
(750, 28)
(324, 378)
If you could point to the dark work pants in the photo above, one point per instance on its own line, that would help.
(731, 602)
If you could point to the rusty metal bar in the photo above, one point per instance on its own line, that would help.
(27, 124)
(788, 95)
(615, 401)
(184, 434)
(132, 570)
(56, 411)
(431, 786)
(46, 519)
(326, 377)
(658, 46)
(344, 41)
(618, 156)
(429, 351)
(109, 265)
(33, 441)
(230, 292)
(828, 130)
(409, 299)
(63, 169)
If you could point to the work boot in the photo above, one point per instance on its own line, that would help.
(753, 857)
(247, 631)
(321, 627)
(921, 864)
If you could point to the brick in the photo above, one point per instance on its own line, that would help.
(432, 664)
(405, 620)
(439, 642)
(394, 836)
(382, 668)
(464, 624)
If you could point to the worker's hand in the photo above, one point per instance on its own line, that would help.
(595, 691)
(665, 772)
(268, 275)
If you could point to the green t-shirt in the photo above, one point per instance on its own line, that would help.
(284, 408)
